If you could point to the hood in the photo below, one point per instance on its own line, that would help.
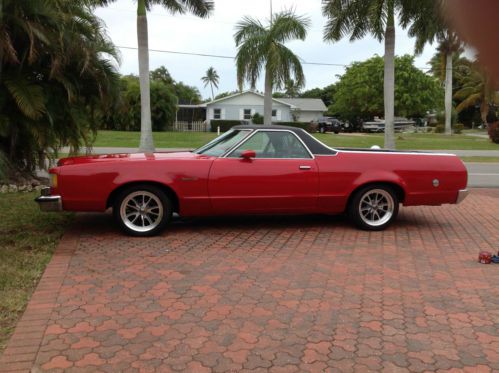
(127, 157)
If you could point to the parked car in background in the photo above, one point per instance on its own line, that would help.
(378, 125)
(254, 170)
(329, 124)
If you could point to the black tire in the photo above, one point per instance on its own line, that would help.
(380, 218)
(160, 215)
(336, 132)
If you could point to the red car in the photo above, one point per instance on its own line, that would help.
(254, 170)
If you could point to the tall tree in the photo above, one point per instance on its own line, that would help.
(200, 8)
(359, 92)
(212, 79)
(429, 25)
(377, 17)
(262, 47)
(478, 88)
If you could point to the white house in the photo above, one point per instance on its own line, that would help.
(242, 106)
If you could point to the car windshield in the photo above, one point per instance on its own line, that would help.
(221, 144)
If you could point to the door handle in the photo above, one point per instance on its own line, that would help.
(305, 167)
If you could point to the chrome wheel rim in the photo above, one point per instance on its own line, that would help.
(376, 207)
(141, 211)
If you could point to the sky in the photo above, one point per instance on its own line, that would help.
(214, 35)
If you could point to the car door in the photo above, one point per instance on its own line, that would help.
(281, 178)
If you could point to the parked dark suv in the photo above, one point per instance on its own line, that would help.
(329, 124)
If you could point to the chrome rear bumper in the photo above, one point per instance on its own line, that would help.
(48, 202)
(462, 195)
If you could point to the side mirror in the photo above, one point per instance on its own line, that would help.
(248, 154)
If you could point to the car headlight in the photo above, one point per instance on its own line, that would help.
(53, 180)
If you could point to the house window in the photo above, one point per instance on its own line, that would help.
(247, 114)
(217, 114)
(274, 113)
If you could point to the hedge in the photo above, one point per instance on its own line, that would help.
(226, 125)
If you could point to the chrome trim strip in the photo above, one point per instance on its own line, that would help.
(461, 195)
(247, 138)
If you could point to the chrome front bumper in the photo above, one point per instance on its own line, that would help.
(462, 195)
(48, 202)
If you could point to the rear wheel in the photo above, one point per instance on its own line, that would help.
(374, 207)
(142, 210)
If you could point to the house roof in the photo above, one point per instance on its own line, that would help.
(306, 104)
(303, 104)
(252, 92)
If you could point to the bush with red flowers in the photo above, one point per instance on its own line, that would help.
(494, 132)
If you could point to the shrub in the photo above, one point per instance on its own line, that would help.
(257, 119)
(440, 128)
(441, 117)
(458, 128)
(225, 125)
(494, 132)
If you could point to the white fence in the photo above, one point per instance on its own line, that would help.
(190, 126)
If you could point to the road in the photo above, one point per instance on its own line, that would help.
(483, 175)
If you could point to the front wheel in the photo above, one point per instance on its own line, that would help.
(374, 207)
(142, 210)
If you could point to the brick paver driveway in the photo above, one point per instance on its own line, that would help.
(271, 294)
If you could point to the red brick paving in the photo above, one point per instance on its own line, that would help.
(270, 294)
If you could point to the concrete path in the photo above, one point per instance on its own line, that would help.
(293, 294)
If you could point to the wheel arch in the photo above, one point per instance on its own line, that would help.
(165, 188)
(397, 188)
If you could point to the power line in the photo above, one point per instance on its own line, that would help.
(226, 57)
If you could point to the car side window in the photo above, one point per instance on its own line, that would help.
(273, 144)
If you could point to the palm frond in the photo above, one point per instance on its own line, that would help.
(287, 26)
(28, 97)
(469, 101)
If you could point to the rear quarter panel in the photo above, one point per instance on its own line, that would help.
(343, 173)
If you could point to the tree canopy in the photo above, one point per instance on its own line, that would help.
(57, 74)
(360, 90)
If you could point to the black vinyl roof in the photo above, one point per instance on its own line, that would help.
(315, 146)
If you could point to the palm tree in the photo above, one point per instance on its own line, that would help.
(56, 76)
(429, 25)
(377, 17)
(212, 79)
(478, 88)
(262, 47)
(200, 8)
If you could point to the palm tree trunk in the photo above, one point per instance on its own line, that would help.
(484, 111)
(448, 94)
(389, 78)
(212, 95)
(146, 140)
(267, 102)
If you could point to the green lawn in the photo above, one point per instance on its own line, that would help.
(428, 141)
(27, 239)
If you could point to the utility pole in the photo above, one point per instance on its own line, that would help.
(270, 12)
